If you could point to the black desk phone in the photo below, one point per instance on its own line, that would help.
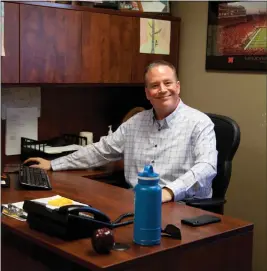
(70, 221)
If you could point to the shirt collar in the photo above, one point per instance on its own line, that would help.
(168, 120)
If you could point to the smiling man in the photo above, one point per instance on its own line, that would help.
(177, 140)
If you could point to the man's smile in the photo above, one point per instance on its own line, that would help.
(164, 97)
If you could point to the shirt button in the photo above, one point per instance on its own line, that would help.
(156, 146)
(152, 161)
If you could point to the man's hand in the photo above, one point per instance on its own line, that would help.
(40, 163)
(167, 195)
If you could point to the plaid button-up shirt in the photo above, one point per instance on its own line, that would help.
(181, 148)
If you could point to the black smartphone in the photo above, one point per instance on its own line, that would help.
(200, 220)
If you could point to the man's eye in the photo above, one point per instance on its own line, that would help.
(168, 83)
(154, 86)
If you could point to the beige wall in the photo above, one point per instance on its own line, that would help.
(240, 96)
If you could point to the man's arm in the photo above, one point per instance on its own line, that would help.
(108, 149)
(197, 181)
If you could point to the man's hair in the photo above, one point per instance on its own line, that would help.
(157, 63)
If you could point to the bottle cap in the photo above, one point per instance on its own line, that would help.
(148, 172)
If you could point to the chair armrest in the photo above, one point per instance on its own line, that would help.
(200, 203)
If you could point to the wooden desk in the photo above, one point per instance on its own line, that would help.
(224, 246)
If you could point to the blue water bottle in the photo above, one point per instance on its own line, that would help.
(147, 213)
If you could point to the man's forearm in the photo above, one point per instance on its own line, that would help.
(85, 157)
(195, 182)
(93, 155)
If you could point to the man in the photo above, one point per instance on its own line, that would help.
(177, 140)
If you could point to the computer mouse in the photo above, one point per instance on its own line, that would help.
(30, 163)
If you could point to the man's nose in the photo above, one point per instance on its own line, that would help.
(162, 88)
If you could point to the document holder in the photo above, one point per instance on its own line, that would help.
(35, 148)
(69, 222)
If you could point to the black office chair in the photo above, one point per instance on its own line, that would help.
(228, 138)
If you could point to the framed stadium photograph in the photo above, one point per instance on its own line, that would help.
(237, 36)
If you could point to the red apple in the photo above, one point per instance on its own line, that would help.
(103, 240)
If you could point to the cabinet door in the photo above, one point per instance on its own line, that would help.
(50, 45)
(141, 60)
(106, 48)
(10, 62)
(121, 42)
(95, 47)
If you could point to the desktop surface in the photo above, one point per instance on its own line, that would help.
(220, 238)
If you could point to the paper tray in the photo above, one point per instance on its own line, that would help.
(52, 148)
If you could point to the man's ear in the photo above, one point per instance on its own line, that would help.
(178, 87)
(147, 93)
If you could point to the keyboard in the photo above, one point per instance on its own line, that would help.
(34, 178)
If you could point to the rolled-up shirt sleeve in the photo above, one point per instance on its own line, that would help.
(197, 181)
(109, 148)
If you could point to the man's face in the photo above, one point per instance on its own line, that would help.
(162, 88)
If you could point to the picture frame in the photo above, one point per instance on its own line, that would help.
(236, 39)
(130, 6)
(162, 7)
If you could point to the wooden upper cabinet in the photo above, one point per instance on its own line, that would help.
(106, 48)
(141, 60)
(50, 45)
(10, 62)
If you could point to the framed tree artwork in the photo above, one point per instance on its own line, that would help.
(237, 36)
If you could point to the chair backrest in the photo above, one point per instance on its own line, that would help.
(228, 138)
